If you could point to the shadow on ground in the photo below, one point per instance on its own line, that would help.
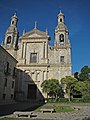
(19, 106)
(86, 118)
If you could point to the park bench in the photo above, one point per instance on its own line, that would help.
(23, 114)
(47, 110)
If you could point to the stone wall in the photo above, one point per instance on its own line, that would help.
(7, 79)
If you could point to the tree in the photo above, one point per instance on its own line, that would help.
(76, 75)
(84, 74)
(45, 87)
(83, 87)
(51, 87)
(70, 83)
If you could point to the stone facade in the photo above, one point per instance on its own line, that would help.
(37, 60)
(7, 76)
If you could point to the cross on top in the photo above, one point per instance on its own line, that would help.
(35, 27)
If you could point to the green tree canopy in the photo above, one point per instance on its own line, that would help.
(84, 74)
(83, 87)
(51, 87)
(70, 83)
(76, 75)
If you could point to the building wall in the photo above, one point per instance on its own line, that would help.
(7, 80)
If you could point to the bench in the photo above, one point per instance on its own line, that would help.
(47, 110)
(23, 114)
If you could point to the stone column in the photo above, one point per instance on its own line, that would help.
(42, 76)
(46, 51)
(22, 46)
(43, 49)
(35, 76)
(46, 74)
(24, 51)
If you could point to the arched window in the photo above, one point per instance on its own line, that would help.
(60, 20)
(61, 38)
(12, 22)
(8, 39)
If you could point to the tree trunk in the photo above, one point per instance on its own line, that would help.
(69, 97)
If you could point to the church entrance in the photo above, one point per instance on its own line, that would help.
(32, 91)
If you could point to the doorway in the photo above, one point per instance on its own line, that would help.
(32, 91)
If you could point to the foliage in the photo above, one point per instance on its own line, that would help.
(84, 88)
(81, 100)
(59, 100)
(51, 87)
(70, 83)
(84, 74)
(76, 75)
(65, 100)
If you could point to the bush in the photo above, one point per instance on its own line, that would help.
(52, 100)
(85, 100)
(76, 100)
(65, 100)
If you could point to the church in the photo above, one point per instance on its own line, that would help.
(37, 60)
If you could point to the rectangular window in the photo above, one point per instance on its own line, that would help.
(11, 96)
(61, 58)
(12, 84)
(14, 72)
(6, 67)
(5, 82)
(7, 70)
(4, 95)
(33, 58)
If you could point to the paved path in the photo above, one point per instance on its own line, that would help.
(82, 114)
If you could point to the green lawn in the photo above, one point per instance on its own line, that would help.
(55, 106)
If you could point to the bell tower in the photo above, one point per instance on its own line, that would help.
(61, 32)
(11, 36)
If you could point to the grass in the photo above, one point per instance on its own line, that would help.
(57, 107)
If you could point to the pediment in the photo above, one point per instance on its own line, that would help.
(34, 34)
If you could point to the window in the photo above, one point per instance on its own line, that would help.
(6, 68)
(61, 38)
(60, 20)
(33, 57)
(12, 84)
(14, 72)
(8, 39)
(61, 58)
(12, 22)
(5, 82)
(11, 96)
(4, 95)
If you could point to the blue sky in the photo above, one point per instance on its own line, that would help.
(77, 19)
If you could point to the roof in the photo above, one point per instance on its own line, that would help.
(35, 33)
(8, 53)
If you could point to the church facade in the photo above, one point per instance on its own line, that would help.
(37, 60)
